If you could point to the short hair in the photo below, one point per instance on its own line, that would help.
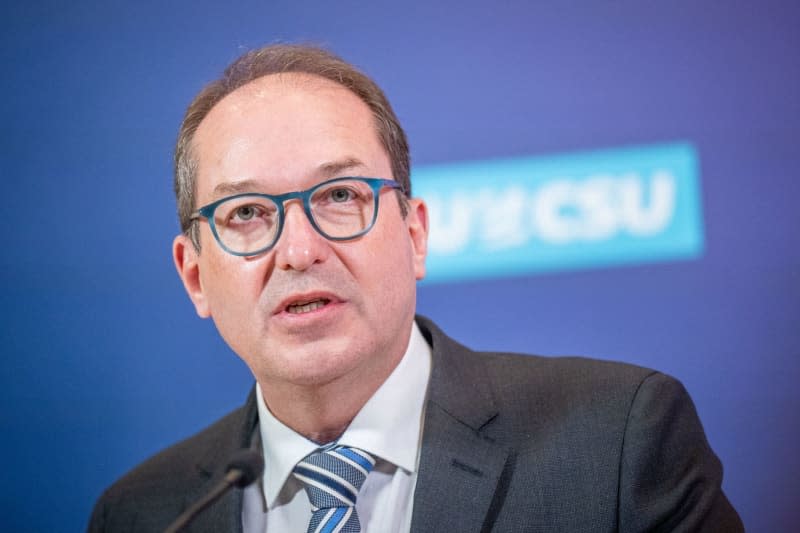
(277, 59)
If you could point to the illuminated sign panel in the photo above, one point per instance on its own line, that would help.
(584, 210)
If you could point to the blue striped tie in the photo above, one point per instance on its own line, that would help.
(332, 478)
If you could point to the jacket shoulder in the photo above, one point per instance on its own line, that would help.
(521, 376)
(180, 460)
(157, 490)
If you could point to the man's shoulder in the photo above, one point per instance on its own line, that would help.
(565, 383)
(160, 485)
(567, 365)
(600, 444)
(519, 372)
(567, 372)
(182, 459)
(562, 392)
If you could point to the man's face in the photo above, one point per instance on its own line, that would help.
(285, 133)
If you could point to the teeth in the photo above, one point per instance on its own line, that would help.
(296, 309)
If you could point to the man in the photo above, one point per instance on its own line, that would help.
(302, 242)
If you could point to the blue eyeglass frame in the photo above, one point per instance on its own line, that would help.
(376, 184)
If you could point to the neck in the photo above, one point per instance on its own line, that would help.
(321, 414)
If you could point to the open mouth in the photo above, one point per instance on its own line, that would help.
(307, 307)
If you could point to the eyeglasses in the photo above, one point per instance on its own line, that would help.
(339, 209)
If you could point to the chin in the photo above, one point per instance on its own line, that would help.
(309, 368)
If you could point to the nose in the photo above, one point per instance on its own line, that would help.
(299, 246)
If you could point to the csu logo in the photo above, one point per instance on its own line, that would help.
(518, 216)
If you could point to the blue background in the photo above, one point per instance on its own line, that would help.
(104, 360)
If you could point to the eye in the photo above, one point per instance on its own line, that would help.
(246, 212)
(341, 194)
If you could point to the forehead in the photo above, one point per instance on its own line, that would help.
(281, 90)
(281, 126)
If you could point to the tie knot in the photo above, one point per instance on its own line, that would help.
(332, 477)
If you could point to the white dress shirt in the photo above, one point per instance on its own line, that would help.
(389, 427)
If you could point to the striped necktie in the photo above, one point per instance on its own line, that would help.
(332, 478)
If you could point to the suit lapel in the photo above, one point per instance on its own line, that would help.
(460, 465)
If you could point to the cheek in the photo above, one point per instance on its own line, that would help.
(231, 285)
(233, 303)
(389, 267)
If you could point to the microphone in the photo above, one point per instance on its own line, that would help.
(245, 466)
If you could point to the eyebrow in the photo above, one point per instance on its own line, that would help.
(326, 171)
(235, 187)
(330, 170)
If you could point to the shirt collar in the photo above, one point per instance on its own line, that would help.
(389, 425)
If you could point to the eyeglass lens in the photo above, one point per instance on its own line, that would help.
(340, 210)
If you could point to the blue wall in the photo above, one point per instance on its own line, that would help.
(104, 361)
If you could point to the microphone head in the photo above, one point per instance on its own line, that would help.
(248, 464)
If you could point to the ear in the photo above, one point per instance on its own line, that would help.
(417, 220)
(186, 262)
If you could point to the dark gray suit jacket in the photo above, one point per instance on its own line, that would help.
(510, 443)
